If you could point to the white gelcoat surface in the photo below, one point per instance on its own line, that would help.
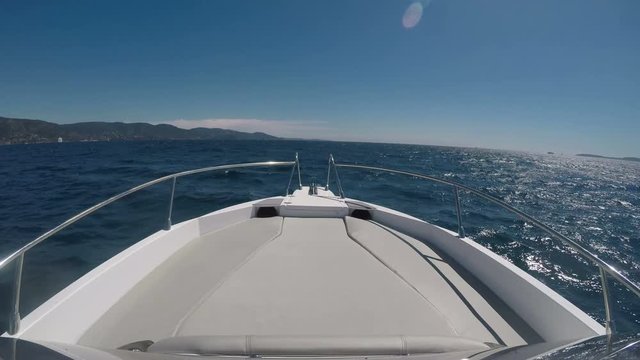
(67, 316)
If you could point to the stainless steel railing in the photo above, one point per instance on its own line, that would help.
(604, 268)
(332, 163)
(296, 166)
(18, 255)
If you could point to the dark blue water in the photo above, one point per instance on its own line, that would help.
(594, 201)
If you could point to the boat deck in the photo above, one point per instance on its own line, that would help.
(305, 277)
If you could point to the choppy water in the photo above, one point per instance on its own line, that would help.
(595, 201)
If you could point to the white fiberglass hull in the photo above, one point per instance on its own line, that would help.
(308, 269)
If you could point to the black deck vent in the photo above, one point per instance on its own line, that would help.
(361, 214)
(266, 212)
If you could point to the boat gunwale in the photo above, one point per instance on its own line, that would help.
(18, 255)
(604, 267)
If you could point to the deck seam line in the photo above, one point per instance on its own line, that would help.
(399, 276)
(210, 293)
(429, 260)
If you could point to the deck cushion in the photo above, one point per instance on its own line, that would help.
(313, 345)
(154, 306)
(436, 279)
(311, 280)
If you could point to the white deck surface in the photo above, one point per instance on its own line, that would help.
(302, 277)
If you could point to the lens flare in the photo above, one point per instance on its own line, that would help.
(412, 15)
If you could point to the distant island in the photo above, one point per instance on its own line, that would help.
(27, 131)
(609, 157)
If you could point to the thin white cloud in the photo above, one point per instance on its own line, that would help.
(283, 128)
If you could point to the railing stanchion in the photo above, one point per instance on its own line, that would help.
(299, 174)
(340, 191)
(458, 212)
(329, 171)
(293, 170)
(14, 316)
(608, 325)
(173, 191)
(335, 170)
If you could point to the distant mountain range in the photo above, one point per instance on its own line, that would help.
(609, 157)
(26, 131)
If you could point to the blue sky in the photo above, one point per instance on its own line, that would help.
(543, 75)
